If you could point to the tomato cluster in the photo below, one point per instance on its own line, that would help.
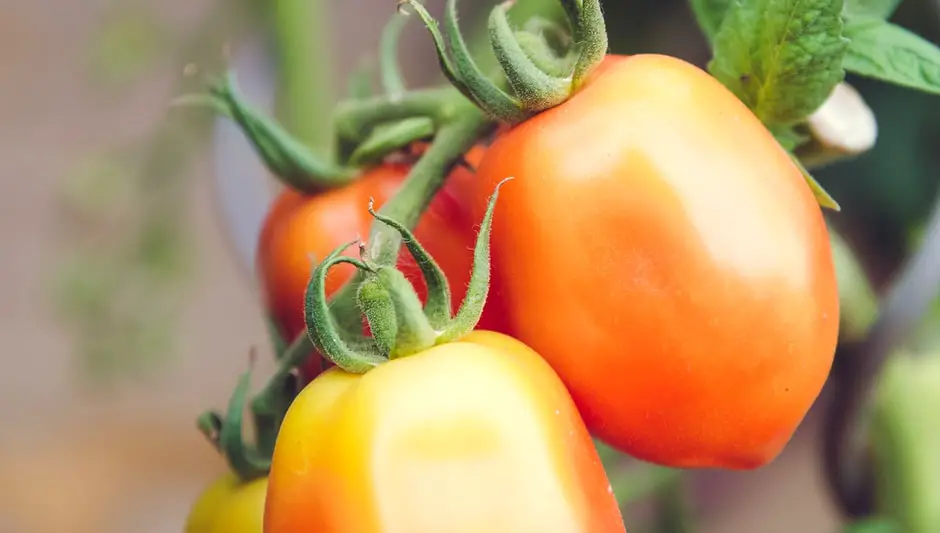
(656, 274)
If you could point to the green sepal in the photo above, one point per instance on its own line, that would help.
(375, 302)
(437, 306)
(544, 55)
(414, 332)
(390, 138)
(548, 45)
(535, 88)
(226, 433)
(471, 309)
(322, 327)
(282, 154)
(539, 79)
(590, 36)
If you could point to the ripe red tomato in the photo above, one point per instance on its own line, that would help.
(300, 226)
(663, 253)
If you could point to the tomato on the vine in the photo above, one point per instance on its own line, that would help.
(468, 436)
(665, 255)
(229, 505)
(301, 229)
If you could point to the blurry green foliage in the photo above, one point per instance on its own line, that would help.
(129, 43)
(127, 252)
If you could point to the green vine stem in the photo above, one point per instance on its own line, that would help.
(422, 184)
(286, 156)
(401, 325)
(304, 94)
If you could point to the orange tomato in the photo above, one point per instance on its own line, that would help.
(478, 435)
(663, 253)
(301, 229)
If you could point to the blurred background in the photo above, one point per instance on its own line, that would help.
(126, 292)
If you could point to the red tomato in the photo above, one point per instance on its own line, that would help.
(299, 227)
(663, 253)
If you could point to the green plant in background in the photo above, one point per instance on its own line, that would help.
(119, 289)
(130, 42)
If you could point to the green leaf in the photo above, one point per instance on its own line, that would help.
(874, 8)
(709, 14)
(781, 57)
(890, 53)
(823, 197)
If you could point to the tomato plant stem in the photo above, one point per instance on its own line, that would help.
(355, 119)
(426, 178)
(302, 30)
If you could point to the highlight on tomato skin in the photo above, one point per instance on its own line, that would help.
(474, 435)
(663, 253)
(301, 229)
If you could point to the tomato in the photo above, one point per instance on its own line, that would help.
(301, 227)
(663, 253)
(469, 436)
(229, 506)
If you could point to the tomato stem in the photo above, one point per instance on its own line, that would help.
(423, 182)
(290, 160)
(392, 81)
(303, 40)
(389, 138)
(355, 119)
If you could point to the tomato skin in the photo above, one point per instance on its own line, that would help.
(299, 226)
(667, 258)
(229, 505)
(476, 435)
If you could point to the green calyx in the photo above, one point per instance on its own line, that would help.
(248, 461)
(400, 324)
(543, 65)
